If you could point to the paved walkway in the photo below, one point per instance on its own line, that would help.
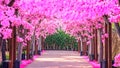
(60, 59)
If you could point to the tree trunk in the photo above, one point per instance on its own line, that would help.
(39, 44)
(32, 46)
(81, 45)
(20, 46)
(54, 46)
(43, 43)
(90, 47)
(47, 47)
(100, 57)
(3, 50)
(28, 50)
(67, 48)
(59, 48)
(19, 54)
(36, 47)
(108, 42)
(96, 51)
(72, 47)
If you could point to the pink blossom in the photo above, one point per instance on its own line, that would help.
(6, 33)
(5, 23)
(117, 61)
(88, 43)
(19, 39)
(106, 35)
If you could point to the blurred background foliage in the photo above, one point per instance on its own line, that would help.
(60, 41)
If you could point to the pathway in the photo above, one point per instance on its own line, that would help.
(60, 59)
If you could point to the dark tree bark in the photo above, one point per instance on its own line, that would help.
(28, 50)
(79, 45)
(3, 50)
(96, 46)
(33, 46)
(39, 45)
(36, 47)
(100, 58)
(108, 42)
(20, 44)
(11, 3)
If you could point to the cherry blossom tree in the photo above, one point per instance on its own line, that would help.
(35, 18)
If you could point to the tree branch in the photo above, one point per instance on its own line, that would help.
(11, 3)
(106, 19)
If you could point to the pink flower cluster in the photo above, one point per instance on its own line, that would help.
(78, 17)
(117, 61)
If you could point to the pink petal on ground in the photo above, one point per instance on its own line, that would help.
(93, 63)
(25, 63)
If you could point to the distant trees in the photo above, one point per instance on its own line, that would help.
(61, 40)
